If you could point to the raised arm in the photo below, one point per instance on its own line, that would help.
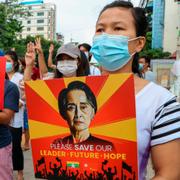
(41, 59)
(115, 170)
(50, 166)
(50, 61)
(103, 168)
(29, 60)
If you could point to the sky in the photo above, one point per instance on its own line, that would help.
(76, 19)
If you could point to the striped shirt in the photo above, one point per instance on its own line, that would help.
(158, 121)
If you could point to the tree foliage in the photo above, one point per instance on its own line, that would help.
(10, 27)
(9, 24)
(21, 44)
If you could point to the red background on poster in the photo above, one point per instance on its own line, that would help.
(118, 109)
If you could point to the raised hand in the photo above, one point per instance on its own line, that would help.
(38, 46)
(30, 54)
(51, 48)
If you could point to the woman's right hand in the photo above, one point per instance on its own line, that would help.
(30, 54)
(51, 48)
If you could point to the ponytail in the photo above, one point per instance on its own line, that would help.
(135, 65)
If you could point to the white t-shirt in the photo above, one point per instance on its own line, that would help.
(150, 76)
(94, 71)
(158, 121)
(17, 121)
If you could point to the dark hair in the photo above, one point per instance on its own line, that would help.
(14, 57)
(147, 59)
(6, 76)
(85, 63)
(140, 20)
(86, 46)
(80, 71)
(75, 85)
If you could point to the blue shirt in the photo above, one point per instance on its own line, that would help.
(11, 101)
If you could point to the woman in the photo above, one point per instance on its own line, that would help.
(17, 122)
(120, 35)
(11, 100)
(93, 71)
(82, 65)
(69, 62)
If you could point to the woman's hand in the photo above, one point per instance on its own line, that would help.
(51, 48)
(30, 54)
(38, 46)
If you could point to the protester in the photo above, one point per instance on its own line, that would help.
(69, 62)
(16, 124)
(120, 35)
(86, 49)
(11, 101)
(22, 65)
(39, 67)
(85, 63)
(41, 60)
(82, 63)
(145, 68)
(25, 146)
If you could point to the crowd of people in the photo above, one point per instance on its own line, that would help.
(119, 37)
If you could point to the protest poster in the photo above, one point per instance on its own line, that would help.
(83, 127)
(2, 78)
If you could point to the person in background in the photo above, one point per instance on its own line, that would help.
(68, 52)
(12, 68)
(85, 63)
(22, 65)
(145, 68)
(86, 49)
(119, 37)
(11, 106)
(69, 62)
(26, 146)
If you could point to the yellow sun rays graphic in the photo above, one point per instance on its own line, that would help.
(120, 130)
(110, 87)
(41, 88)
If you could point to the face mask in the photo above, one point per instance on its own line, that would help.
(140, 67)
(111, 51)
(9, 67)
(67, 67)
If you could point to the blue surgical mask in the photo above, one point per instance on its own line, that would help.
(111, 51)
(9, 67)
(140, 67)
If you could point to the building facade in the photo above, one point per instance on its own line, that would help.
(171, 26)
(166, 24)
(158, 23)
(42, 19)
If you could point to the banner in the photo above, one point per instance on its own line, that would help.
(83, 127)
(2, 78)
